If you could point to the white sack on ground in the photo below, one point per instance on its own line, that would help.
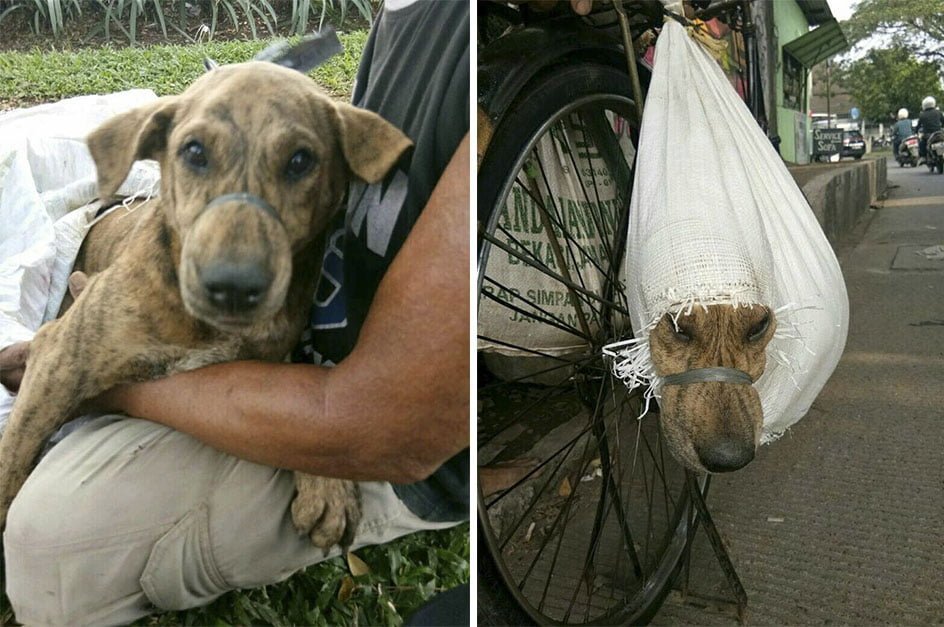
(46, 173)
(716, 218)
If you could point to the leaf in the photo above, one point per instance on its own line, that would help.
(356, 565)
(347, 589)
(564, 489)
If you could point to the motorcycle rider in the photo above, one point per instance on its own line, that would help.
(901, 130)
(930, 121)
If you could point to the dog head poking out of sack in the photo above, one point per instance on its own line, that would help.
(712, 425)
(720, 240)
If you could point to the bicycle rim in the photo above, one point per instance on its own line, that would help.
(590, 523)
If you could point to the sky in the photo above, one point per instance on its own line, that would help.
(842, 9)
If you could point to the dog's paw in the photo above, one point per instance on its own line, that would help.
(326, 510)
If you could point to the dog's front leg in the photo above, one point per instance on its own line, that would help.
(48, 395)
(71, 360)
(326, 510)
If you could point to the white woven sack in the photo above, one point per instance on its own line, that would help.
(47, 180)
(520, 224)
(716, 218)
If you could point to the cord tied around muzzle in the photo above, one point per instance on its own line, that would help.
(244, 198)
(706, 375)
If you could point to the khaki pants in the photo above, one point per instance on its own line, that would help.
(126, 515)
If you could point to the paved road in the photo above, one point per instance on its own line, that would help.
(842, 520)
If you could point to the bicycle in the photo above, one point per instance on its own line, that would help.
(593, 517)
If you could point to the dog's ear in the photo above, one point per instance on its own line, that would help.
(137, 134)
(370, 144)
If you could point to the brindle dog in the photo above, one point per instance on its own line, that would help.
(255, 161)
(712, 425)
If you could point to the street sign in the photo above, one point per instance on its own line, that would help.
(826, 141)
(854, 113)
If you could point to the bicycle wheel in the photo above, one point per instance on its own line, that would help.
(583, 512)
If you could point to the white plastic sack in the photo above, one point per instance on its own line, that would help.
(47, 180)
(716, 218)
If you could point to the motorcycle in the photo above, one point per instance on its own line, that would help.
(908, 151)
(935, 152)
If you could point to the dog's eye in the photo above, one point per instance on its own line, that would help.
(682, 334)
(679, 331)
(758, 330)
(299, 165)
(195, 155)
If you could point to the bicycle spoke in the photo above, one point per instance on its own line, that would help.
(532, 375)
(550, 320)
(555, 246)
(599, 203)
(560, 536)
(559, 224)
(608, 485)
(517, 347)
(569, 446)
(584, 295)
(548, 272)
(534, 470)
(555, 243)
(550, 394)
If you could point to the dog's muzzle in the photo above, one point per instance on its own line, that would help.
(706, 375)
(236, 286)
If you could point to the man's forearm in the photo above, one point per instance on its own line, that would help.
(276, 414)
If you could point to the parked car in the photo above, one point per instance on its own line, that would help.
(853, 145)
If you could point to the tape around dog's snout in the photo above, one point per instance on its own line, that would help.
(703, 375)
(244, 198)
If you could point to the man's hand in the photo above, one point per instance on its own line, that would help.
(13, 365)
(580, 7)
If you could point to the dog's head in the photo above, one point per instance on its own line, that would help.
(255, 160)
(712, 425)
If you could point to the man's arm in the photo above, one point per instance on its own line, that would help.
(395, 409)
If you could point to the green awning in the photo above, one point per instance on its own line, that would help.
(819, 44)
(816, 11)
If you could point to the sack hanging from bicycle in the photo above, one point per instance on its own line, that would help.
(719, 229)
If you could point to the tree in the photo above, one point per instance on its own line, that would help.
(887, 79)
(916, 25)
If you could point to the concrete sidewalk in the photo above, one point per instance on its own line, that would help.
(842, 520)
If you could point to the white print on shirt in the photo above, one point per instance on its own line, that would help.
(380, 205)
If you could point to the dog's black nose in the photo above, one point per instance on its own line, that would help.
(726, 455)
(235, 287)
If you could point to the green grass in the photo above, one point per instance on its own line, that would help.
(403, 574)
(28, 78)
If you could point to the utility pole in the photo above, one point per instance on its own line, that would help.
(829, 94)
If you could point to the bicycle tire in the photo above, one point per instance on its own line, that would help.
(546, 100)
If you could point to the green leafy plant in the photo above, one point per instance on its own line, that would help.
(250, 8)
(115, 12)
(47, 12)
(302, 11)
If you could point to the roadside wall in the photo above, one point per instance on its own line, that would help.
(841, 194)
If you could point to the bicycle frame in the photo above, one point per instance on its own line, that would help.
(509, 62)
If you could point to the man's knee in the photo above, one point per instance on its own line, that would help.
(53, 568)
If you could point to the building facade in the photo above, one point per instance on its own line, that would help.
(793, 36)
